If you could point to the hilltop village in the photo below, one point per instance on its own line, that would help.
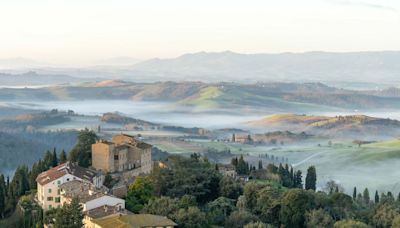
(123, 158)
(121, 181)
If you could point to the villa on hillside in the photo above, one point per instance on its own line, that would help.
(241, 138)
(48, 182)
(123, 153)
(227, 170)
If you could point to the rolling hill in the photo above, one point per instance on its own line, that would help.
(199, 97)
(355, 126)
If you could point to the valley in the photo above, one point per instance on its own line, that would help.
(183, 118)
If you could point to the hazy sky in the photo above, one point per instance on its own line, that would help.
(80, 31)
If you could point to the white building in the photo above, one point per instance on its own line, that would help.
(48, 183)
(89, 197)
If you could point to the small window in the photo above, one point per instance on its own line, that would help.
(67, 179)
(58, 182)
(57, 199)
(50, 206)
(49, 198)
(115, 157)
(49, 190)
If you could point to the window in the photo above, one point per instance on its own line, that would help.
(67, 179)
(57, 199)
(115, 157)
(49, 198)
(58, 182)
(49, 190)
(50, 206)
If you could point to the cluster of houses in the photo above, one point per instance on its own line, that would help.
(124, 157)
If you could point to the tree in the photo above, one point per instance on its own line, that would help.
(82, 151)
(19, 184)
(268, 204)
(298, 180)
(63, 157)
(2, 196)
(354, 193)
(341, 206)
(366, 197)
(331, 187)
(318, 219)
(238, 219)
(54, 161)
(294, 205)
(187, 176)
(385, 214)
(311, 178)
(396, 221)
(260, 164)
(70, 215)
(139, 193)
(242, 167)
(230, 188)
(164, 206)
(48, 160)
(219, 210)
(376, 197)
(191, 217)
(250, 193)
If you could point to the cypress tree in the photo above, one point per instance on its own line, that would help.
(366, 196)
(3, 191)
(311, 178)
(376, 197)
(390, 196)
(48, 160)
(54, 161)
(63, 157)
(260, 165)
(354, 193)
(298, 181)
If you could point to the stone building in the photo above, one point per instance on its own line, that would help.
(48, 182)
(122, 153)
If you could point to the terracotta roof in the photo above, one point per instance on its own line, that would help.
(63, 169)
(105, 211)
(135, 220)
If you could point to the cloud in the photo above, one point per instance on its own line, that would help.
(365, 4)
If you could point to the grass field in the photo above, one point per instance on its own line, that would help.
(373, 165)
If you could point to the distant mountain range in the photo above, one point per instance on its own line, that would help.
(368, 67)
(33, 79)
(349, 70)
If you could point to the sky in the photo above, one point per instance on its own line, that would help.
(83, 31)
